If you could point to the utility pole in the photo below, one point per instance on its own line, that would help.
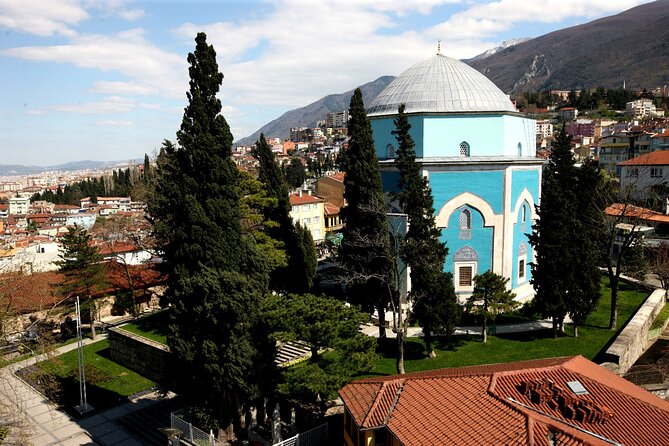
(83, 406)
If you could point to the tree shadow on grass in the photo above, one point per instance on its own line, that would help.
(412, 349)
(64, 391)
(529, 336)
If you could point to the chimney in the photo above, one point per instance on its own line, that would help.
(666, 206)
(299, 193)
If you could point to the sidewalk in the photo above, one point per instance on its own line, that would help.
(44, 425)
(373, 330)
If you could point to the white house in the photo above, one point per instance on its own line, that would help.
(638, 175)
(309, 211)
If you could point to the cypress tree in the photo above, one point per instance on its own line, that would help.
(216, 277)
(298, 274)
(365, 249)
(435, 303)
(565, 239)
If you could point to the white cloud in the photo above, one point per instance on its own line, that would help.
(111, 104)
(118, 8)
(487, 19)
(36, 112)
(113, 123)
(150, 69)
(42, 17)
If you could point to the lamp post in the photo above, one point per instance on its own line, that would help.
(484, 290)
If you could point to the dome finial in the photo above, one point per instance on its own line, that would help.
(439, 47)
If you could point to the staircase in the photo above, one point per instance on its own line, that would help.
(144, 424)
(290, 352)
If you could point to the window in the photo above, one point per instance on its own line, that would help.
(520, 149)
(390, 151)
(465, 225)
(523, 217)
(294, 208)
(634, 172)
(465, 276)
(317, 219)
(464, 148)
(655, 172)
(306, 221)
(521, 269)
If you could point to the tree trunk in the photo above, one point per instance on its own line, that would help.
(613, 320)
(427, 336)
(555, 327)
(92, 316)
(400, 352)
(484, 331)
(381, 310)
(575, 330)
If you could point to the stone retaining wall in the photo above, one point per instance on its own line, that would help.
(630, 343)
(148, 358)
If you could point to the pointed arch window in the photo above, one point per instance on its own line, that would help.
(465, 224)
(520, 149)
(523, 217)
(390, 151)
(464, 148)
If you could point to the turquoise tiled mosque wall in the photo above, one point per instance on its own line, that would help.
(487, 184)
(481, 239)
(382, 129)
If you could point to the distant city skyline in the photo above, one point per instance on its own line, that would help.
(106, 80)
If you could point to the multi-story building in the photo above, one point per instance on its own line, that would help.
(613, 149)
(568, 114)
(19, 205)
(336, 119)
(308, 211)
(640, 174)
(544, 128)
(642, 108)
(581, 129)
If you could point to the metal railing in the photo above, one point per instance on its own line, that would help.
(191, 433)
(313, 437)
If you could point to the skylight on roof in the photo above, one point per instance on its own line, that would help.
(577, 388)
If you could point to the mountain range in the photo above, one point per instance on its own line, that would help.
(19, 169)
(631, 47)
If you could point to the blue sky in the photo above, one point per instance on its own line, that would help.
(106, 80)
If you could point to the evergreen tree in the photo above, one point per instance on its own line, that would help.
(365, 248)
(298, 274)
(82, 269)
(490, 298)
(435, 303)
(216, 278)
(565, 239)
(295, 173)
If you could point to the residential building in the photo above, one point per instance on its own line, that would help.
(639, 175)
(613, 149)
(331, 188)
(336, 119)
(333, 221)
(642, 108)
(19, 205)
(660, 141)
(544, 128)
(553, 401)
(478, 155)
(308, 210)
(580, 129)
(568, 114)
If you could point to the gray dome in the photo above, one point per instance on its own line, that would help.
(441, 84)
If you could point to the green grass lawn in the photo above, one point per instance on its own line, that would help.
(594, 336)
(107, 383)
(152, 327)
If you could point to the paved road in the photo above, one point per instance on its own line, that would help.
(42, 424)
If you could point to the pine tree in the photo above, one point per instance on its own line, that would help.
(216, 276)
(365, 249)
(490, 298)
(435, 303)
(82, 269)
(298, 274)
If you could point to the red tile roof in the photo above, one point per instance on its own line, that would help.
(339, 176)
(296, 200)
(630, 211)
(657, 158)
(26, 293)
(515, 403)
(331, 209)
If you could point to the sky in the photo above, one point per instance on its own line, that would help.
(106, 79)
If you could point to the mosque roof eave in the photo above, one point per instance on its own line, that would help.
(453, 113)
(471, 160)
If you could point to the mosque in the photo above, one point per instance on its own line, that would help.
(478, 154)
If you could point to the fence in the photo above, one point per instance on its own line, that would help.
(191, 433)
(314, 437)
